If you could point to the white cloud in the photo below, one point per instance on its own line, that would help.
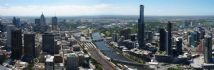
(68, 10)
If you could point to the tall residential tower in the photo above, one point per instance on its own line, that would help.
(16, 43)
(163, 40)
(54, 24)
(208, 49)
(141, 28)
(169, 28)
(29, 46)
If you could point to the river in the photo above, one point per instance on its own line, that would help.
(109, 52)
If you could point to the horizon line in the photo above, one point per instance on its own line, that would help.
(110, 15)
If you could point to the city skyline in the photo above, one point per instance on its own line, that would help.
(103, 7)
(105, 35)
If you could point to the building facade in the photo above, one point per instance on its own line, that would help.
(16, 43)
(141, 28)
(29, 46)
(208, 49)
(48, 43)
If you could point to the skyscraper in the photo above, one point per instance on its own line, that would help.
(29, 46)
(169, 28)
(9, 36)
(37, 21)
(141, 28)
(16, 36)
(42, 19)
(179, 45)
(16, 22)
(43, 26)
(37, 26)
(48, 43)
(208, 49)
(192, 39)
(54, 23)
(163, 40)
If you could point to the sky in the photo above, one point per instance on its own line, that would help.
(106, 7)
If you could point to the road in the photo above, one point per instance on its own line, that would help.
(98, 56)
